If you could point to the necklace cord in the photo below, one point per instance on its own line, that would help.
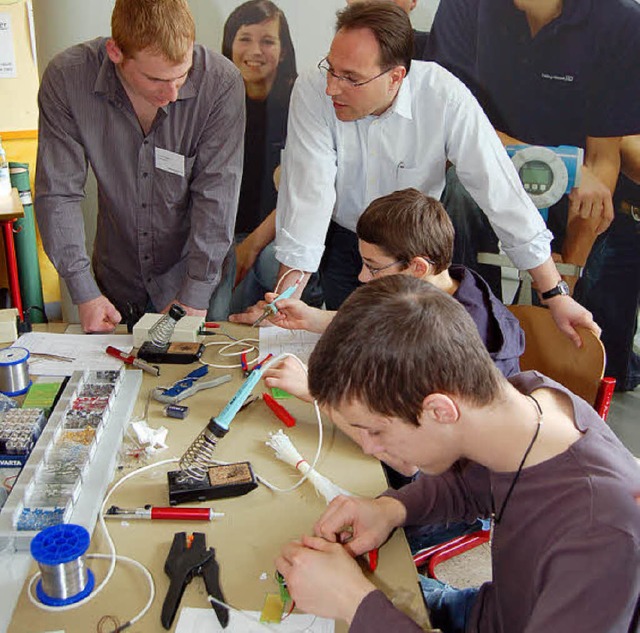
(498, 517)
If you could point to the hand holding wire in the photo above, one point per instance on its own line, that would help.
(290, 376)
(323, 578)
(360, 524)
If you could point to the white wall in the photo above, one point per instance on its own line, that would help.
(61, 23)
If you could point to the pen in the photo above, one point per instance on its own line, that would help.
(169, 514)
(283, 415)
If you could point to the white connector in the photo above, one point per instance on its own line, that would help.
(8, 325)
(186, 330)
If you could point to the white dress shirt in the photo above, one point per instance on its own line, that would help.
(334, 169)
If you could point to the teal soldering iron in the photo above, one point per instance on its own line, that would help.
(270, 309)
(199, 456)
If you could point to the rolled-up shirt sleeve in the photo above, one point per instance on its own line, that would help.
(61, 173)
(307, 188)
(488, 174)
(214, 193)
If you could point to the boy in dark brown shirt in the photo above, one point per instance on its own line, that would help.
(558, 483)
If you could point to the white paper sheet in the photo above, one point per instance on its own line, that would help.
(276, 340)
(199, 620)
(87, 350)
(7, 51)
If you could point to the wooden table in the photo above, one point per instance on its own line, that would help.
(254, 527)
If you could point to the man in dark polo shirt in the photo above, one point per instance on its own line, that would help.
(552, 72)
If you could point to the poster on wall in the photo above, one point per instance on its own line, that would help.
(256, 37)
(7, 51)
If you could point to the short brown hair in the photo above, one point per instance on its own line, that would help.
(407, 224)
(396, 340)
(164, 26)
(390, 26)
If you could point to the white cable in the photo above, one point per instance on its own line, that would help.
(291, 270)
(249, 347)
(316, 457)
(112, 556)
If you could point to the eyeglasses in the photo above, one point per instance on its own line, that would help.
(323, 65)
(374, 271)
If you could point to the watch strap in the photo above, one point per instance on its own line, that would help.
(561, 288)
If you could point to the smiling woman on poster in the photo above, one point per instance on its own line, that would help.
(257, 39)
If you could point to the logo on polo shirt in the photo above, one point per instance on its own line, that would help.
(567, 78)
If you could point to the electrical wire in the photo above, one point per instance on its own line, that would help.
(292, 270)
(255, 621)
(316, 457)
(250, 345)
(112, 556)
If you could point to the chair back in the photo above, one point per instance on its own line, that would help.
(552, 353)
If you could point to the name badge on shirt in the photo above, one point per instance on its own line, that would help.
(169, 161)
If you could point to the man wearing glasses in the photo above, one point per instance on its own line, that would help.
(363, 127)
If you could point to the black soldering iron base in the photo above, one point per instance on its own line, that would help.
(171, 353)
(228, 480)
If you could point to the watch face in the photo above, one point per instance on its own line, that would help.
(561, 288)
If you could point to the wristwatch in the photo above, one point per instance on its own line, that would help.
(561, 288)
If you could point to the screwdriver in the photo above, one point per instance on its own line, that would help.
(129, 359)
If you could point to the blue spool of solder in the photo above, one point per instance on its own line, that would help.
(14, 371)
(59, 551)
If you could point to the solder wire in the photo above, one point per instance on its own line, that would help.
(64, 580)
(112, 556)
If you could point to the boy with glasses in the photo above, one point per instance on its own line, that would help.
(409, 233)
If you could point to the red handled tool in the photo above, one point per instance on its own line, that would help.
(263, 361)
(167, 514)
(129, 359)
(283, 415)
(373, 559)
(244, 365)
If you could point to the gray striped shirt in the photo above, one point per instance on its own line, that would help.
(160, 235)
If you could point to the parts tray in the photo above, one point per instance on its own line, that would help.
(95, 477)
